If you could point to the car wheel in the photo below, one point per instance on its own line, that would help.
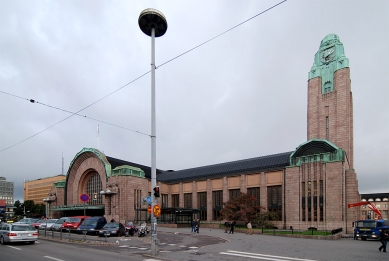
(2, 241)
(32, 242)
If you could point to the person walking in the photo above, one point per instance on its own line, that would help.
(226, 225)
(193, 226)
(233, 223)
(197, 225)
(383, 239)
(249, 228)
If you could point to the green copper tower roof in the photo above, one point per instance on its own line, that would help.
(329, 58)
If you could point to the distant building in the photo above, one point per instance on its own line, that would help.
(37, 190)
(380, 200)
(7, 191)
(6, 198)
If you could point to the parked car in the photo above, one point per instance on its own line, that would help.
(49, 224)
(27, 221)
(58, 224)
(10, 233)
(72, 223)
(92, 225)
(112, 229)
(37, 223)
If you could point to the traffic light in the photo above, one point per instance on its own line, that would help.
(156, 192)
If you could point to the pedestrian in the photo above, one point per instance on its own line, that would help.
(226, 225)
(249, 228)
(197, 225)
(193, 226)
(113, 220)
(383, 239)
(233, 223)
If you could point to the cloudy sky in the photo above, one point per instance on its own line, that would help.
(240, 95)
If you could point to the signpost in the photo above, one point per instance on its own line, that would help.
(84, 198)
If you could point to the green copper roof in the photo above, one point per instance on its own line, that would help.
(316, 150)
(329, 58)
(59, 184)
(127, 170)
(99, 154)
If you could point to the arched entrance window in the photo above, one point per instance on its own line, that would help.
(93, 188)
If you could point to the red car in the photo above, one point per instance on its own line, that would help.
(72, 223)
(37, 223)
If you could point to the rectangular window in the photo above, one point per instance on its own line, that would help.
(274, 200)
(217, 203)
(165, 200)
(202, 204)
(175, 200)
(188, 200)
(255, 192)
(327, 128)
(234, 193)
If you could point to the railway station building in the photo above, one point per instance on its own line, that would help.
(308, 187)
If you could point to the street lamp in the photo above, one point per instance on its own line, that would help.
(47, 200)
(153, 23)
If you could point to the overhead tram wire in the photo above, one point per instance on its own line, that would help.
(213, 38)
(75, 113)
(84, 116)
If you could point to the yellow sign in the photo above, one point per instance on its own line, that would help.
(157, 211)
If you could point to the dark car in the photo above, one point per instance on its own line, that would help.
(112, 229)
(92, 225)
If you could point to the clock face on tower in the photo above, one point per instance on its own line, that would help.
(327, 55)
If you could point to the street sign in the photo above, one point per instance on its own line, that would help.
(84, 197)
(157, 211)
(148, 200)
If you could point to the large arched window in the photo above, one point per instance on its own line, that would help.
(93, 188)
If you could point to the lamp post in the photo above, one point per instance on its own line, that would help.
(153, 23)
(47, 200)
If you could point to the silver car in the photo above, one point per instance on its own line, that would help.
(57, 225)
(49, 223)
(10, 233)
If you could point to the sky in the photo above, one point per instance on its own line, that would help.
(240, 95)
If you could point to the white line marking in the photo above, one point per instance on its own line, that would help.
(261, 256)
(15, 247)
(53, 258)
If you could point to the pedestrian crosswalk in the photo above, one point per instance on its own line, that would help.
(262, 256)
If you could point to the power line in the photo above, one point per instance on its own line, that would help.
(76, 113)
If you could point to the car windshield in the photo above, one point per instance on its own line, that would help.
(111, 225)
(40, 221)
(366, 224)
(51, 221)
(60, 221)
(22, 228)
(73, 220)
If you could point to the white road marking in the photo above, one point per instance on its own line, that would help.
(261, 256)
(53, 258)
(15, 247)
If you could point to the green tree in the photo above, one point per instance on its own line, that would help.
(264, 219)
(242, 208)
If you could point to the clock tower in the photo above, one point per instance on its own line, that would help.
(330, 107)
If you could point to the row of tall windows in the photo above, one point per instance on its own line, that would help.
(274, 200)
(312, 201)
(217, 202)
(93, 188)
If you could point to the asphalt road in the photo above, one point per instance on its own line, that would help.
(180, 244)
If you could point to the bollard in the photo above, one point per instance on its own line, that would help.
(60, 233)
